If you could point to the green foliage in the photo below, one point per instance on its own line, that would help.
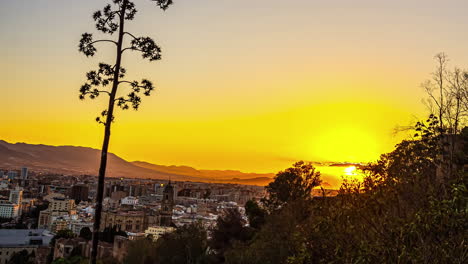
(71, 260)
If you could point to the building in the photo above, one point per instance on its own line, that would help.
(60, 210)
(64, 247)
(8, 209)
(62, 204)
(12, 175)
(24, 173)
(59, 223)
(120, 249)
(16, 196)
(129, 200)
(31, 240)
(167, 205)
(157, 231)
(77, 225)
(79, 192)
(129, 221)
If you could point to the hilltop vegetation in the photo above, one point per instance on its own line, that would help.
(410, 208)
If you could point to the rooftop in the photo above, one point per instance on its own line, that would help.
(20, 237)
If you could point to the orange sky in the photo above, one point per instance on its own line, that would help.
(248, 85)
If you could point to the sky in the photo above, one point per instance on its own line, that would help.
(247, 85)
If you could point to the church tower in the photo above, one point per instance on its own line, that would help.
(167, 205)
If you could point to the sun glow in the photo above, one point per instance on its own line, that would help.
(350, 171)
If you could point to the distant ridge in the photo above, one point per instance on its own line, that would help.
(76, 160)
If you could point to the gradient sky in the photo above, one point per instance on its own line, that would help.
(249, 85)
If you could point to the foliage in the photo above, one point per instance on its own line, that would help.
(64, 233)
(108, 234)
(401, 213)
(186, 245)
(109, 79)
(22, 257)
(230, 227)
(255, 214)
(71, 260)
(141, 251)
(86, 233)
(295, 183)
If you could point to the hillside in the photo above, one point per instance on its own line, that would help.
(82, 160)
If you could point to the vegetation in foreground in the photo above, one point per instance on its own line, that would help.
(411, 207)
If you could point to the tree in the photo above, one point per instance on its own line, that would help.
(64, 233)
(281, 237)
(86, 233)
(112, 20)
(186, 245)
(295, 183)
(447, 93)
(448, 101)
(22, 257)
(141, 251)
(109, 233)
(230, 227)
(255, 214)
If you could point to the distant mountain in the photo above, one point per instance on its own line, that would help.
(81, 160)
(189, 171)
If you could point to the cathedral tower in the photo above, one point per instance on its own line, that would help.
(167, 205)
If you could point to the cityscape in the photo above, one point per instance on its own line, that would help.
(233, 132)
(35, 206)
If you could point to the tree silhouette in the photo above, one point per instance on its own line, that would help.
(293, 184)
(111, 19)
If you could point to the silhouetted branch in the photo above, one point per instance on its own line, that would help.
(103, 40)
(131, 35)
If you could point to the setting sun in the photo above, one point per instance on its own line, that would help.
(350, 171)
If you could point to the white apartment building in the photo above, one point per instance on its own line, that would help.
(8, 210)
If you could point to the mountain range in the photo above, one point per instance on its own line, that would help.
(73, 160)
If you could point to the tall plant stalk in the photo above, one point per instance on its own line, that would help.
(108, 21)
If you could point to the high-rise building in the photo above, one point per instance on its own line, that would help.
(12, 175)
(16, 196)
(79, 192)
(24, 173)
